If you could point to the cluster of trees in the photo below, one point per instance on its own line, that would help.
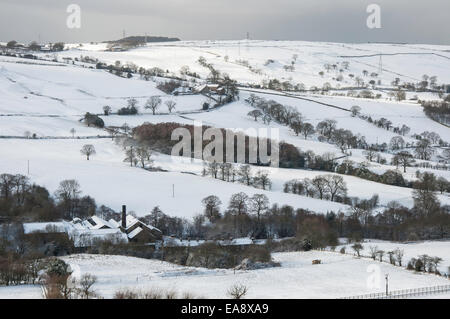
(58, 286)
(438, 110)
(18, 270)
(277, 85)
(395, 256)
(153, 103)
(428, 83)
(34, 46)
(129, 68)
(247, 216)
(328, 187)
(425, 263)
(272, 110)
(390, 177)
(20, 200)
(137, 153)
(254, 217)
(289, 116)
(159, 137)
(169, 86)
(243, 174)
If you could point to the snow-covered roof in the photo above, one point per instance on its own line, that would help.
(237, 241)
(100, 223)
(114, 223)
(135, 232)
(84, 232)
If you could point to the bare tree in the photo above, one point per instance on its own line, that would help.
(262, 179)
(255, 114)
(356, 110)
(336, 186)
(212, 207)
(85, 286)
(73, 131)
(143, 155)
(373, 252)
(238, 204)
(424, 150)
(399, 255)
(237, 291)
(259, 203)
(107, 110)
(397, 142)
(380, 254)
(404, 159)
(88, 150)
(307, 130)
(357, 247)
(132, 103)
(170, 105)
(245, 174)
(320, 185)
(153, 103)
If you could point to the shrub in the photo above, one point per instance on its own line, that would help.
(132, 110)
(92, 119)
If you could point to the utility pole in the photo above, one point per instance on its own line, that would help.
(28, 167)
(380, 66)
(173, 190)
(387, 284)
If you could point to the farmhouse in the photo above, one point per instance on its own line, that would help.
(210, 89)
(85, 233)
(116, 48)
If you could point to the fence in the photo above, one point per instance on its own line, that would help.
(405, 293)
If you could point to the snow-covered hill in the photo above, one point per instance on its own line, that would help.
(408, 62)
(49, 98)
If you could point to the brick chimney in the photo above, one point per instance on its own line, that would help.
(124, 216)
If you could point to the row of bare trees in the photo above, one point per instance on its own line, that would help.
(233, 173)
(329, 187)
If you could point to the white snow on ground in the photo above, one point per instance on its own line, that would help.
(412, 250)
(57, 96)
(21, 292)
(112, 182)
(399, 113)
(357, 187)
(338, 276)
(311, 58)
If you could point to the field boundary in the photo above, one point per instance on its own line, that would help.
(404, 293)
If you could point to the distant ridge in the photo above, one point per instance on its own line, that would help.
(136, 40)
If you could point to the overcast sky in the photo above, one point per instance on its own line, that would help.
(413, 21)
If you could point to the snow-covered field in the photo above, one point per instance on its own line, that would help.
(112, 182)
(48, 99)
(337, 276)
(408, 62)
